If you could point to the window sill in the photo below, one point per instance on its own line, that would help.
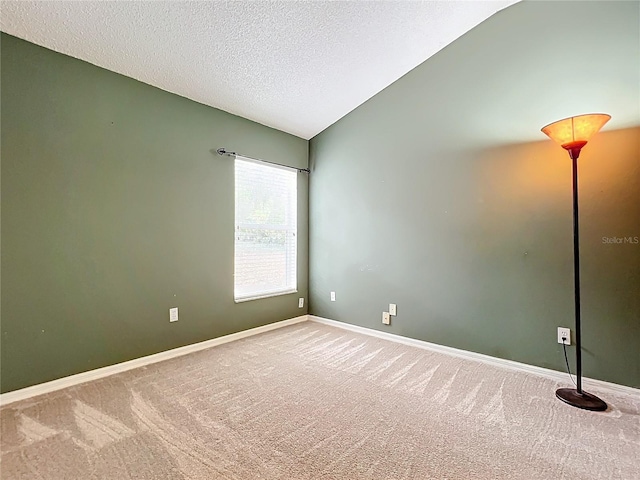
(266, 295)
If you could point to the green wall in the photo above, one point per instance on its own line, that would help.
(430, 195)
(114, 209)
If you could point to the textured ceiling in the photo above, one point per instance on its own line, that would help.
(295, 66)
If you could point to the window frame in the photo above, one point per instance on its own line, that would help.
(291, 264)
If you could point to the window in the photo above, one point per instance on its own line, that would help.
(265, 230)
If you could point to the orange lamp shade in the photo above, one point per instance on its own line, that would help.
(575, 132)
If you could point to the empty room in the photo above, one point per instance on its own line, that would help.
(382, 240)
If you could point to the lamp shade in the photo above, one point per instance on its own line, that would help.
(575, 132)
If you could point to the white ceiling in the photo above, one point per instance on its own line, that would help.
(297, 66)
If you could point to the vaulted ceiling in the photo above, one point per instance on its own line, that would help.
(297, 66)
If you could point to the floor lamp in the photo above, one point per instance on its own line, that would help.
(572, 134)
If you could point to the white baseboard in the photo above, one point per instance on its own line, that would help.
(590, 384)
(83, 377)
(597, 386)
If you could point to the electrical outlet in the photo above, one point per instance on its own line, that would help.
(386, 318)
(173, 314)
(392, 309)
(564, 333)
(300, 302)
(333, 296)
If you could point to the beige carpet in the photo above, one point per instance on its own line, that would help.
(315, 402)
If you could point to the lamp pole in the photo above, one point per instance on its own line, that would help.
(574, 153)
(577, 397)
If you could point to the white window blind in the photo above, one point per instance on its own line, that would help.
(265, 230)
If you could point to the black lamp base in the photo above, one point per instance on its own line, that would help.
(582, 400)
